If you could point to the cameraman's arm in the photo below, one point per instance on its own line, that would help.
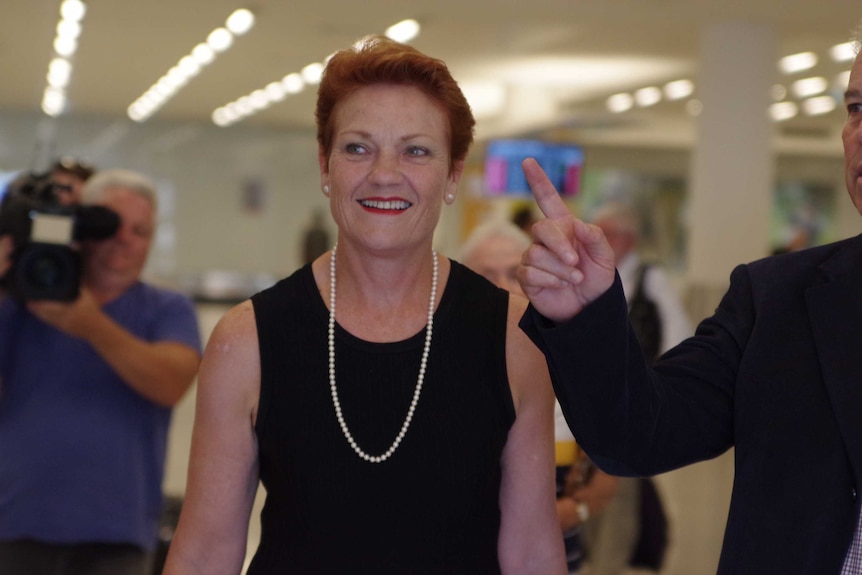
(5, 262)
(159, 371)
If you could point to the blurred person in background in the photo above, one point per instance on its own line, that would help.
(583, 491)
(655, 308)
(86, 391)
(403, 426)
(636, 521)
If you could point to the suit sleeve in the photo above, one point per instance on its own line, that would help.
(633, 420)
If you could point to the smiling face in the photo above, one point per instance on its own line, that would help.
(120, 259)
(852, 135)
(388, 171)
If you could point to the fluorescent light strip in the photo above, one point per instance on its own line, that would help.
(65, 45)
(190, 65)
(779, 111)
(295, 82)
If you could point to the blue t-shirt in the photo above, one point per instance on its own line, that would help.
(81, 453)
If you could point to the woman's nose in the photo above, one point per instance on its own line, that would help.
(385, 168)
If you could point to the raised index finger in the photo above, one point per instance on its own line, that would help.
(546, 194)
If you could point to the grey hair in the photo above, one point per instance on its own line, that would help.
(103, 180)
(492, 229)
(622, 213)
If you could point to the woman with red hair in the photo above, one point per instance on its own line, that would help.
(384, 395)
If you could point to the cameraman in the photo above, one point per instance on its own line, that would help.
(86, 390)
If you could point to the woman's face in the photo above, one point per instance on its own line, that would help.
(389, 167)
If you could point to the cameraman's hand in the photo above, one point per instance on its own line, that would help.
(74, 318)
(5, 254)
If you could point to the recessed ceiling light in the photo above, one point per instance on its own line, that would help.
(403, 31)
(807, 87)
(295, 82)
(781, 111)
(678, 89)
(797, 62)
(312, 73)
(844, 52)
(240, 21)
(619, 103)
(649, 96)
(190, 65)
(818, 105)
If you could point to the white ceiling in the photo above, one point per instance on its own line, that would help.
(126, 46)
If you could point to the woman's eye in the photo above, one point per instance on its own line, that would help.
(417, 151)
(354, 148)
(854, 108)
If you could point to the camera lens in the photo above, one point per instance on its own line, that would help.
(47, 272)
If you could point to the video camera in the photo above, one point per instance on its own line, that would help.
(45, 262)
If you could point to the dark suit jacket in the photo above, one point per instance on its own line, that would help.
(776, 373)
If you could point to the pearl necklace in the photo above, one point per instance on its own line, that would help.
(419, 380)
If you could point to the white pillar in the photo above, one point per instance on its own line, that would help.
(732, 167)
(731, 191)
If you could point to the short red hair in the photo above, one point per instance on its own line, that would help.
(380, 60)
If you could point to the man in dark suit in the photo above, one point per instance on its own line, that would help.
(775, 373)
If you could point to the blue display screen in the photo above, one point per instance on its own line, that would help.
(503, 174)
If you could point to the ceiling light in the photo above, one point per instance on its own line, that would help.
(312, 73)
(781, 111)
(203, 54)
(65, 47)
(240, 21)
(678, 89)
(620, 103)
(68, 29)
(259, 99)
(275, 91)
(73, 10)
(797, 62)
(293, 83)
(59, 72)
(809, 87)
(220, 39)
(220, 117)
(844, 52)
(819, 105)
(403, 31)
(53, 101)
(190, 65)
(647, 96)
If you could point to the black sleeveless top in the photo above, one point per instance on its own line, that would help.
(433, 507)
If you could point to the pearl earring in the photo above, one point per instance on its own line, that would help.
(450, 197)
(326, 191)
